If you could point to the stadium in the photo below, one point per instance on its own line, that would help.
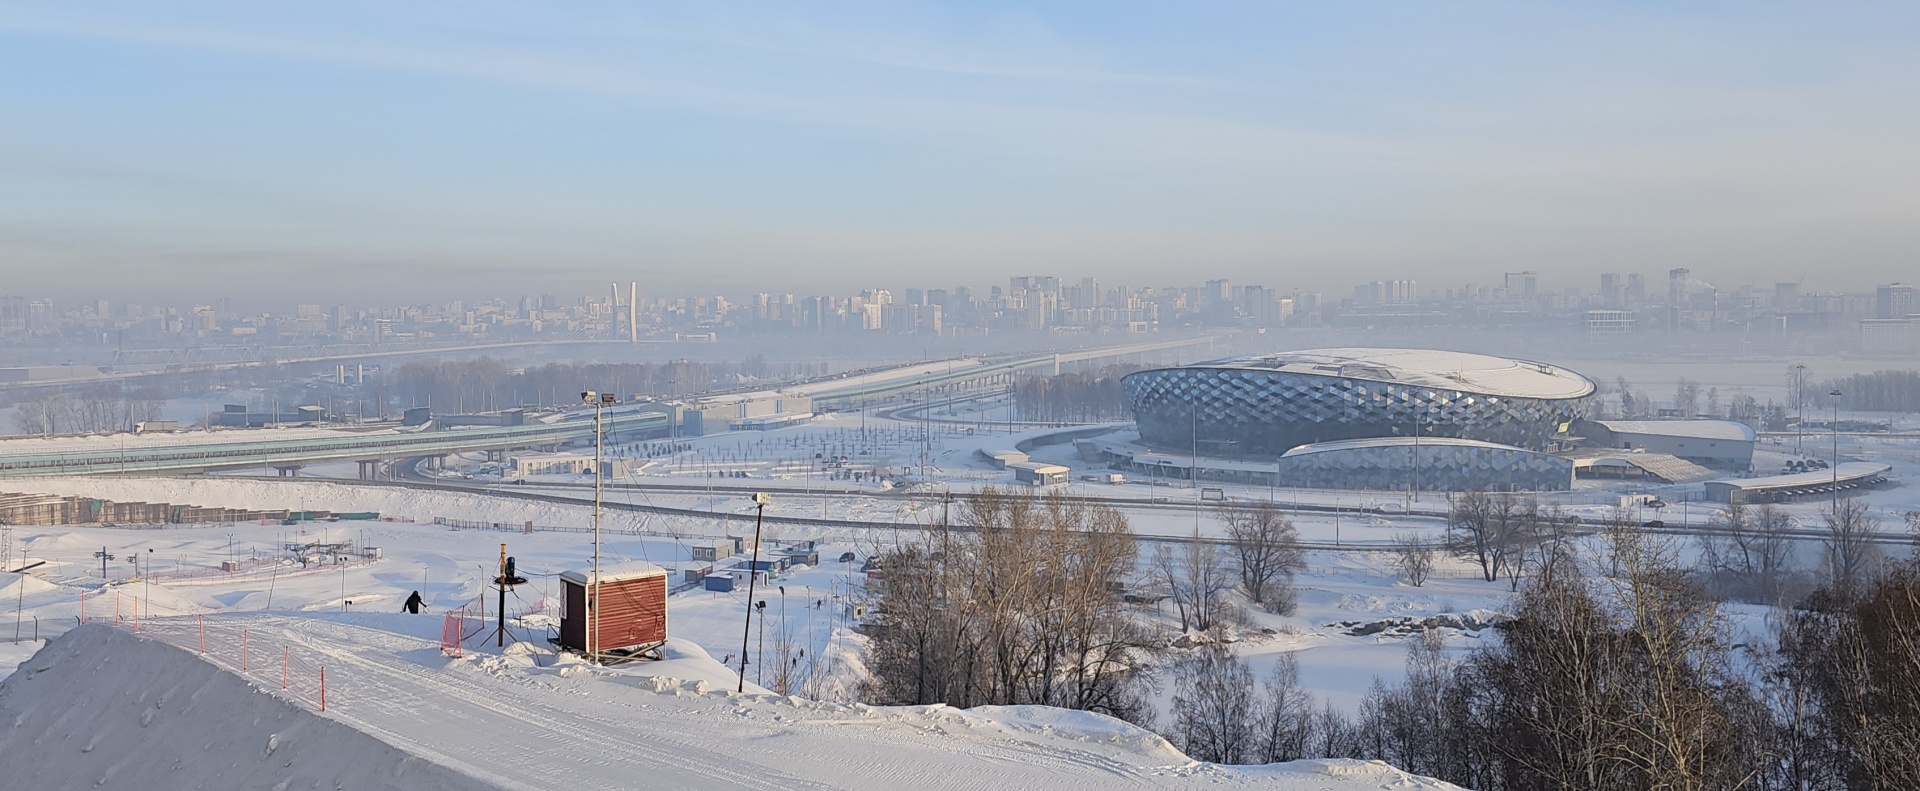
(1359, 416)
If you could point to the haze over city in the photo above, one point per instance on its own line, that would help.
(959, 396)
(451, 151)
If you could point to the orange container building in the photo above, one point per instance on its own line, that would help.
(632, 611)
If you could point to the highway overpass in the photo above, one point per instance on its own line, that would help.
(285, 453)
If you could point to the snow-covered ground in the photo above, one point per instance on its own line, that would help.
(104, 708)
(355, 606)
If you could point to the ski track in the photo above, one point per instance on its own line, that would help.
(507, 730)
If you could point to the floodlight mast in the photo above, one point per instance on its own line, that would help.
(760, 501)
(598, 400)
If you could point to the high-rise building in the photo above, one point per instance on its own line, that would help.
(1894, 301)
(1677, 289)
(1522, 284)
(1218, 290)
(1400, 292)
(1786, 296)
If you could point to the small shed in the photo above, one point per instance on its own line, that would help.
(712, 550)
(632, 611)
(1037, 474)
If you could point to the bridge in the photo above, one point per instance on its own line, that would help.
(292, 453)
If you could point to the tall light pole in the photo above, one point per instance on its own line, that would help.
(1800, 404)
(760, 500)
(599, 402)
(1835, 425)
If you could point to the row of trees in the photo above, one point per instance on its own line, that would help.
(1020, 604)
(1615, 672)
(1880, 391)
(1069, 397)
(488, 384)
(1689, 401)
(1016, 608)
(105, 407)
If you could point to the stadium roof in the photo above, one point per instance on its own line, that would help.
(1398, 442)
(1689, 429)
(1440, 370)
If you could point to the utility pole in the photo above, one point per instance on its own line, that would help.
(760, 501)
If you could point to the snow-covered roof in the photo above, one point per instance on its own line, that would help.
(1690, 429)
(614, 572)
(1846, 472)
(1402, 442)
(1441, 370)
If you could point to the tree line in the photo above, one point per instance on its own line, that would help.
(1074, 397)
(487, 384)
(93, 408)
(1880, 391)
(1619, 669)
(1025, 604)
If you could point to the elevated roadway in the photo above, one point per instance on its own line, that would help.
(294, 452)
(827, 395)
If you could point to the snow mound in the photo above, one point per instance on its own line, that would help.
(101, 708)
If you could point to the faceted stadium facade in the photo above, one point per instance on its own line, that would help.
(1267, 405)
(1443, 465)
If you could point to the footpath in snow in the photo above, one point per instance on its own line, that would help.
(100, 707)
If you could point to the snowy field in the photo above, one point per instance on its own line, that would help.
(350, 612)
(556, 718)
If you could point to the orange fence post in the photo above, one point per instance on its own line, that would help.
(243, 652)
(203, 632)
(323, 688)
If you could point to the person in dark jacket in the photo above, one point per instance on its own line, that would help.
(413, 603)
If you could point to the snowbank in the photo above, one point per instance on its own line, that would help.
(100, 708)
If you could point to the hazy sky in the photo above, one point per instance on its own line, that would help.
(431, 149)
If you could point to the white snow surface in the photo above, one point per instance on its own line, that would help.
(102, 707)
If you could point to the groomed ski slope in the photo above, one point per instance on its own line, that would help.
(82, 714)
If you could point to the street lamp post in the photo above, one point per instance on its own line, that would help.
(1800, 405)
(1835, 426)
(760, 501)
(599, 402)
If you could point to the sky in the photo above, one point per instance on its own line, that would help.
(428, 150)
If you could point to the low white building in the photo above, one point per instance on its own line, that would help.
(1720, 444)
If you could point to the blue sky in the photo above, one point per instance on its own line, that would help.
(469, 149)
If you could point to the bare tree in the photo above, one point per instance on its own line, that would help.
(1747, 552)
(1686, 397)
(1283, 724)
(1195, 576)
(1487, 529)
(1851, 551)
(1414, 558)
(1017, 610)
(1212, 715)
(1266, 550)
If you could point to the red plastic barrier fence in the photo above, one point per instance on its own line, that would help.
(234, 648)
